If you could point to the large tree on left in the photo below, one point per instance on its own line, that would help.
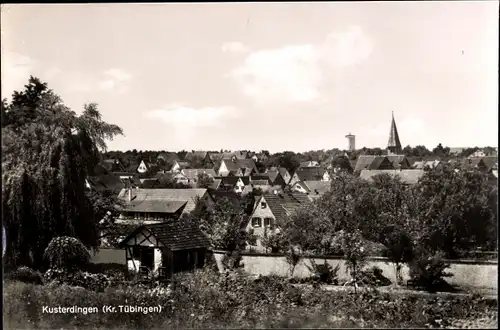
(47, 152)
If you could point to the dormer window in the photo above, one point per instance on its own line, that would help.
(263, 205)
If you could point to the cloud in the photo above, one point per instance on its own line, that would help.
(234, 47)
(186, 117)
(115, 80)
(295, 73)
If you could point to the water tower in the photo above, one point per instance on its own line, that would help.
(352, 141)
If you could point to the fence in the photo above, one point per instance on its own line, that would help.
(466, 273)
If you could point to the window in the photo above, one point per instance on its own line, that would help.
(256, 222)
(268, 222)
(263, 205)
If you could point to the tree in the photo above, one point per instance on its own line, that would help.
(48, 151)
(204, 180)
(454, 212)
(441, 151)
(342, 163)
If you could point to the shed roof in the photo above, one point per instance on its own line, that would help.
(175, 235)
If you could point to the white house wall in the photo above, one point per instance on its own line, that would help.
(262, 213)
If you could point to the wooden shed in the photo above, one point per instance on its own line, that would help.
(165, 248)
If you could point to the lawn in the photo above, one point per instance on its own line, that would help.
(208, 299)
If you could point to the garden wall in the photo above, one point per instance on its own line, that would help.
(109, 255)
(479, 274)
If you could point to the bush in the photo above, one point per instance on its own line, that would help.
(324, 273)
(26, 275)
(66, 252)
(428, 272)
(93, 282)
(373, 277)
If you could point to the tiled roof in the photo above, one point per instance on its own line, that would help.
(175, 235)
(193, 173)
(260, 183)
(272, 175)
(407, 176)
(165, 195)
(490, 161)
(364, 162)
(238, 154)
(310, 173)
(276, 203)
(154, 206)
(398, 160)
(240, 163)
(216, 184)
(149, 183)
(106, 182)
(317, 187)
(379, 162)
(232, 180)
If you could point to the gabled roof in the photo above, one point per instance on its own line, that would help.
(281, 203)
(233, 197)
(149, 183)
(216, 184)
(310, 173)
(364, 162)
(317, 187)
(232, 180)
(192, 173)
(398, 160)
(154, 206)
(237, 154)
(260, 183)
(260, 177)
(195, 154)
(164, 195)
(407, 176)
(240, 164)
(379, 162)
(272, 174)
(175, 235)
(490, 161)
(106, 182)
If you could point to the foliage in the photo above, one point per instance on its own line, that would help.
(167, 181)
(342, 163)
(26, 275)
(67, 253)
(427, 271)
(324, 273)
(204, 180)
(354, 253)
(272, 240)
(208, 300)
(373, 277)
(47, 153)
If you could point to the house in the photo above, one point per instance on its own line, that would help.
(314, 189)
(259, 157)
(369, 162)
(421, 164)
(234, 164)
(310, 163)
(242, 172)
(263, 185)
(260, 177)
(112, 165)
(166, 248)
(407, 176)
(234, 183)
(236, 154)
(284, 173)
(275, 177)
(192, 174)
(400, 162)
(180, 178)
(456, 151)
(216, 184)
(199, 157)
(269, 210)
(146, 167)
(107, 182)
(159, 205)
(312, 174)
(485, 164)
(178, 166)
(477, 154)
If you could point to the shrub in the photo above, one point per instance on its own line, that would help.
(26, 275)
(66, 252)
(374, 277)
(325, 273)
(428, 272)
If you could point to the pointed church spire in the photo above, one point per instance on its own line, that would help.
(394, 145)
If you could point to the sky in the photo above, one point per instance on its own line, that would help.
(272, 76)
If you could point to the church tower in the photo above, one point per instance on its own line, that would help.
(394, 145)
